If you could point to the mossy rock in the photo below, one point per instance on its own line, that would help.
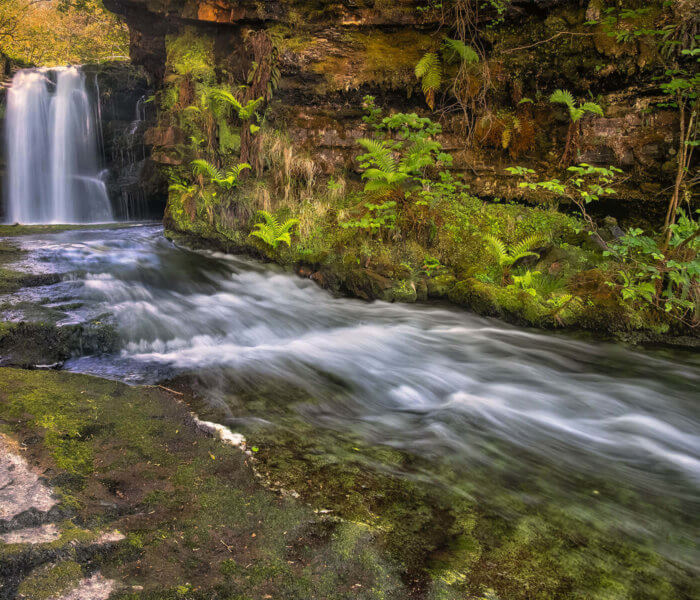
(50, 581)
(403, 291)
(440, 285)
(31, 344)
(495, 301)
(198, 524)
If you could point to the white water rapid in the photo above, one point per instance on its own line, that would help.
(51, 145)
(513, 418)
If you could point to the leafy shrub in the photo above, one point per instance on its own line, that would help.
(668, 279)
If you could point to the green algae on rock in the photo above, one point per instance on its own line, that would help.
(458, 538)
(197, 523)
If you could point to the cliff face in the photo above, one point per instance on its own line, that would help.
(287, 90)
(136, 188)
(333, 53)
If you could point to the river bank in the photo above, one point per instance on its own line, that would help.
(433, 490)
(185, 514)
(343, 273)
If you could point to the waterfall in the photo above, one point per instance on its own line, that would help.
(52, 153)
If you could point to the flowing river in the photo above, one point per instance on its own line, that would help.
(609, 432)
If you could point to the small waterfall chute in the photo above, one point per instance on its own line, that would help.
(51, 142)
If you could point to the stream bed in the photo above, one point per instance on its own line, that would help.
(516, 420)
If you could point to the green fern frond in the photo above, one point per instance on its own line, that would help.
(563, 97)
(227, 98)
(238, 169)
(379, 153)
(523, 248)
(497, 247)
(457, 49)
(284, 237)
(592, 107)
(202, 167)
(179, 187)
(268, 217)
(264, 233)
(418, 155)
(246, 112)
(429, 72)
(272, 232)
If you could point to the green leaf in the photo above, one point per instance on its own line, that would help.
(453, 50)
(563, 97)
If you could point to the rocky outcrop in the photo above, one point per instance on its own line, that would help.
(136, 188)
(333, 53)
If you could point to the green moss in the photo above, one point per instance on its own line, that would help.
(440, 285)
(404, 291)
(191, 54)
(50, 581)
(378, 58)
(205, 514)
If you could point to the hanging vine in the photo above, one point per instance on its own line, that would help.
(467, 91)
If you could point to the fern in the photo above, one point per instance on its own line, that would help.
(497, 247)
(232, 175)
(566, 98)
(226, 98)
(563, 97)
(226, 180)
(576, 113)
(381, 169)
(522, 248)
(457, 49)
(201, 167)
(508, 256)
(593, 108)
(249, 109)
(272, 232)
(182, 188)
(378, 153)
(429, 72)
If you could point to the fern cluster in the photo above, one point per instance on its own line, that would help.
(227, 180)
(576, 111)
(226, 99)
(272, 232)
(507, 256)
(407, 149)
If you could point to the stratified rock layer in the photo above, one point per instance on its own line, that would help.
(333, 53)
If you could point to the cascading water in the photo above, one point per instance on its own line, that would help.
(51, 143)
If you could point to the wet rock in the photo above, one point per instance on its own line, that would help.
(440, 286)
(96, 587)
(165, 137)
(32, 535)
(222, 432)
(41, 344)
(403, 291)
(125, 117)
(22, 492)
